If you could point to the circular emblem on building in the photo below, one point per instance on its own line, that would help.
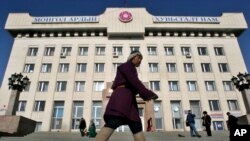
(125, 16)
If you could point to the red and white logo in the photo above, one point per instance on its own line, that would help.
(125, 16)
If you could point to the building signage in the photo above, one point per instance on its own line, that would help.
(125, 16)
(181, 19)
(64, 19)
(216, 115)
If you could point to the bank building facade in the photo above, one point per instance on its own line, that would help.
(71, 62)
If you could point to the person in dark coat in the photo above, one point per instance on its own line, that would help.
(122, 107)
(206, 121)
(82, 127)
(191, 121)
(232, 123)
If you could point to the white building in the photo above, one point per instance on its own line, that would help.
(188, 61)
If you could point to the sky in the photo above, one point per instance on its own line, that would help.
(97, 7)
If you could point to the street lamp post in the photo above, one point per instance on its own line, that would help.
(17, 84)
(242, 83)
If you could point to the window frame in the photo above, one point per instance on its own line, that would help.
(212, 106)
(61, 86)
(153, 67)
(155, 85)
(43, 86)
(32, 51)
(83, 51)
(169, 51)
(172, 85)
(49, 51)
(208, 85)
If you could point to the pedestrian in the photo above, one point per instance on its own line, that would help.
(122, 108)
(82, 127)
(206, 121)
(191, 122)
(92, 129)
(232, 123)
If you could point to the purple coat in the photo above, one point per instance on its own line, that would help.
(122, 102)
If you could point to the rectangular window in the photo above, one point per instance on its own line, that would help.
(77, 114)
(185, 51)
(83, 51)
(49, 51)
(61, 86)
(21, 106)
(223, 67)
(98, 85)
(134, 48)
(188, 67)
(173, 85)
(210, 85)
(206, 67)
(228, 85)
(81, 67)
(29, 68)
(46, 68)
(219, 51)
(66, 51)
(192, 85)
(158, 115)
(115, 65)
(39, 106)
(32, 51)
(97, 113)
(117, 50)
(27, 87)
(152, 50)
(233, 105)
(99, 67)
(100, 50)
(153, 67)
(169, 51)
(63, 67)
(155, 85)
(79, 86)
(43, 86)
(57, 115)
(177, 119)
(171, 67)
(202, 51)
(214, 105)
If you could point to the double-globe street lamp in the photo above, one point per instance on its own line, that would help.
(242, 83)
(17, 83)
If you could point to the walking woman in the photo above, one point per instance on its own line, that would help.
(122, 107)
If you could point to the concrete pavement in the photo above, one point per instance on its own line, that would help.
(118, 136)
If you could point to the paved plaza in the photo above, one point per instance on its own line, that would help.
(152, 136)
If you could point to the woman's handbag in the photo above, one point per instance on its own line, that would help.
(187, 124)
